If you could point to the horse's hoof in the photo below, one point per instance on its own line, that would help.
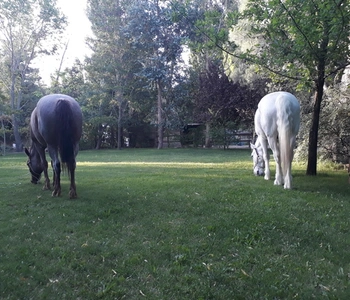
(73, 195)
(287, 186)
(56, 193)
(278, 182)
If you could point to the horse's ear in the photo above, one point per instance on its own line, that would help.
(26, 152)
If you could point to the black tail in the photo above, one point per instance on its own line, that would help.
(65, 125)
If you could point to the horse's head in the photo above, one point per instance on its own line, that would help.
(258, 160)
(34, 164)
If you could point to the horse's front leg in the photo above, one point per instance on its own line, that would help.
(56, 166)
(46, 175)
(276, 155)
(54, 173)
(45, 167)
(266, 158)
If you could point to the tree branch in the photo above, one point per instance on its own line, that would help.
(245, 58)
(299, 29)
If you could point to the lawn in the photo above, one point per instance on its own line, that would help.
(174, 224)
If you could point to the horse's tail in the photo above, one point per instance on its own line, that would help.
(66, 142)
(285, 126)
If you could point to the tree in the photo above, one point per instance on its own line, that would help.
(113, 63)
(303, 40)
(208, 25)
(152, 30)
(226, 104)
(27, 29)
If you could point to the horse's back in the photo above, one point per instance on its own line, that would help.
(268, 104)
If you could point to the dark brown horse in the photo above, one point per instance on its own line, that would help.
(55, 124)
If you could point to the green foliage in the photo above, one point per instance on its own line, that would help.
(115, 67)
(299, 38)
(193, 137)
(211, 25)
(334, 138)
(27, 30)
(151, 30)
(71, 81)
(173, 224)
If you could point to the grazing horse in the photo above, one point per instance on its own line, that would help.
(277, 121)
(55, 124)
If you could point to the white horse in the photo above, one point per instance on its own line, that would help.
(277, 122)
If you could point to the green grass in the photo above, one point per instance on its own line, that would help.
(174, 224)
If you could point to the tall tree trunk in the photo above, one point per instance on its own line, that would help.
(313, 135)
(98, 142)
(112, 140)
(58, 72)
(15, 105)
(160, 116)
(349, 168)
(315, 122)
(4, 133)
(18, 139)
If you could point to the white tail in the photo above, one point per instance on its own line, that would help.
(285, 137)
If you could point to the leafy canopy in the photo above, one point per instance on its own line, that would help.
(299, 39)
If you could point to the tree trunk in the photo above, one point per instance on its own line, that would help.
(18, 140)
(99, 137)
(15, 105)
(313, 135)
(120, 115)
(207, 135)
(4, 133)
(349, 168)
(112, 140)
(160, 116)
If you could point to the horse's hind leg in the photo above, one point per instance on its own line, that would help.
(73, 188)
(57, 178)
(288, 175)
(71, 170)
